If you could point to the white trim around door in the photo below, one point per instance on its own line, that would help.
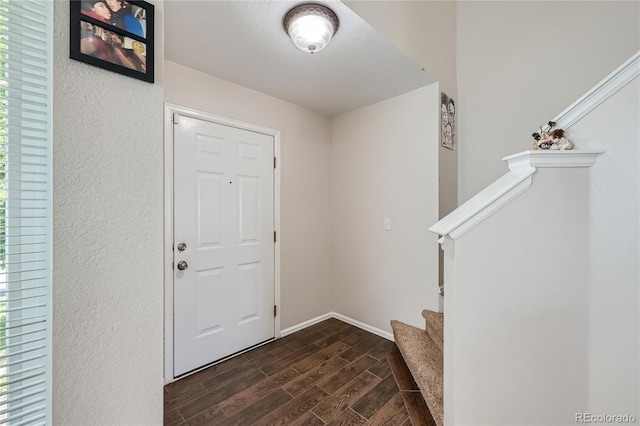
(169, 111)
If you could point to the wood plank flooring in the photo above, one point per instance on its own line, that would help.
(331, 373)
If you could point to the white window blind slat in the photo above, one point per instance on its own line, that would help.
(27, 416)
(16, 407)
(26, 342)
(24, 395)
(31, 93)
(24, 103)
(28, 70)
(22, 191)
(15, 48)
(36, 421)
(14, 263)
(34, 9)
(28, 120)
(36, 321)
(28, 333)
(26, 40)
(26, 244)
(26, 84)
(27, 208)
(31, 421)
(16, 235)
(17, 299)
(24, 20)
(30, 27)
(24, 373)
(26, 78)
(22, 244)
(28, 321)
(13, 299)
(22, 309)
(29, 359)
(31, 162)
(29, 35)
(20, 390)
(24, 146)
(27, 252)
(27, 127)
(26, 284)
(9, 133)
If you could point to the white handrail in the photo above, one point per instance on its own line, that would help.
(522, 166)
(619, 78)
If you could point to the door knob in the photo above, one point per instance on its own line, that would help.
(182, 265)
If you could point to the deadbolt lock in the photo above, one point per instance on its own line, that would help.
(182, 247)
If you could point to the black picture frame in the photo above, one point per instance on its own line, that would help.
(120, 41)
(447, 121)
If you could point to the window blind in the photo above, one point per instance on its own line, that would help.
(25, 211)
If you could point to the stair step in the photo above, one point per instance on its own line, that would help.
(435, 326)
(423, 356)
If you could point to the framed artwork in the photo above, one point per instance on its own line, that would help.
(447, 121)
(116, 35)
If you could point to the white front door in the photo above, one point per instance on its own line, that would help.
(223, 241)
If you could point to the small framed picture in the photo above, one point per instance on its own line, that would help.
(447, 121)
(116, 35)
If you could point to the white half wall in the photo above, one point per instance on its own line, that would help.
(614, 272)
(520, 63)
(516, 306)
(305, 180)
(107, 244)
(542, 297)
(385, 165)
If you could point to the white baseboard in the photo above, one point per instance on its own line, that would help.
(371, 329)
(387, 335)
(305, 324)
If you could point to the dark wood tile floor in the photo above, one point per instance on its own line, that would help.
(331, 373)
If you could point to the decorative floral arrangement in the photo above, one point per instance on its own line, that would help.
(551, 139)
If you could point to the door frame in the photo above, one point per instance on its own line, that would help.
(169, 110)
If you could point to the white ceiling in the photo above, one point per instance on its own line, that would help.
(244, 42)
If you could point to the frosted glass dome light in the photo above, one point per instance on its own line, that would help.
(311, 26)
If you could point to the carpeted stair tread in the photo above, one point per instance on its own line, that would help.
(435, 326)
(423, 356)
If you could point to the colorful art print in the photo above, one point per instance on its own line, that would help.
(116, 35)
(447, 121)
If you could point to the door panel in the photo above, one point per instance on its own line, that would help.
(223, 212)
(210, 209)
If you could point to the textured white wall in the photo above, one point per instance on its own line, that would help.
(520, 63)
(385, 164)
(426, 31)
(614, 293)
(107, 269)
(521, 311)
(305, 180)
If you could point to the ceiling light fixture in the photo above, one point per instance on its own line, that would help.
(310, 26)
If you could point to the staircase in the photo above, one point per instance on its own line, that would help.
(422, 351)
(541, 274)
